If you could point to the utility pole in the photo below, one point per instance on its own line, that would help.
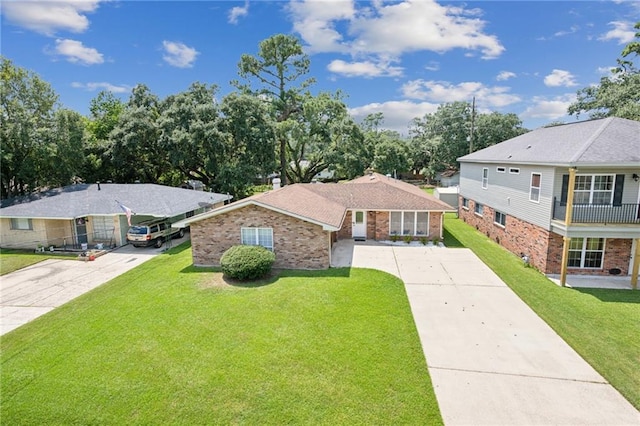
(473, 119)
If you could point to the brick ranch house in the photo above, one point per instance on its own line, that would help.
(519, 193)
(300, 222)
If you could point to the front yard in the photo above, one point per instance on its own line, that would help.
(603, 326)
(170, 344)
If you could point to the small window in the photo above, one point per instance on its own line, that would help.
(190, 213)
(501, 169)
(534, 191)
(478, 209)
(485, 178)
(514, 171)
(21, 224)
(257, 237)
(500, 219)
(465, 203)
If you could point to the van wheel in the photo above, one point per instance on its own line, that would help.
(181, 233)
(159, 242)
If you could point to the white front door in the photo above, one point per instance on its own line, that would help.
(359, 224)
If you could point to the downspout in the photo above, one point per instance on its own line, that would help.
(567, 220)
(636, 266)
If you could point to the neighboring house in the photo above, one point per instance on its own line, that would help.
(92, 213)
(518, 193)
(450, 177)
(449, 195)
(301, 222)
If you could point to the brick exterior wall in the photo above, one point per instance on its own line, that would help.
(297, 244)
(435, 218)
(378, 225)
(543, 247)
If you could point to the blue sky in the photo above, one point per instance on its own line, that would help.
(402, 58)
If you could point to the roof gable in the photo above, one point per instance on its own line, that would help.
(609, 141)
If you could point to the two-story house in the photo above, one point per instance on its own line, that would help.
(565, 198)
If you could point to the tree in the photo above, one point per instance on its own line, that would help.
(391, 154)
(27, 106)
(322, 136)
(64, 157)
(105, 111)
(224, 145)
(440, 138)
(278, 66)
(135, 150)
(617, 95)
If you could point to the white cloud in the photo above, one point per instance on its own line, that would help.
(551, 109)
(391, 29)
(237, 12)
(622, 31)
(397, 114)
(315, 22)
(505, 75)
(75, 52)
(560, 78)
(432, 66)
(572, 30)
(364, 69)
(443, 91)
(179, 54)
(95, 86)
(47, 17)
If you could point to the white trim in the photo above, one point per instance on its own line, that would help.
(414, 226)
(501, 169)
(514, 170)
(531, 187)
(583, 253)
(485, 179)
(591, 190)
(495, 212)
(632, 255)
(354, 214)
(257, 236)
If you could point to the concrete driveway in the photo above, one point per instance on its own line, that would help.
(492, 360)
(33, 291)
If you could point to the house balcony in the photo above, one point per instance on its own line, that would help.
(598, 213)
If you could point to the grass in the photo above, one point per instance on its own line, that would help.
(602, 325)
(12, 260)
(170, 344)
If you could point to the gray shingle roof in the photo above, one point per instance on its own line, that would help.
(605, 142)
(86, 199)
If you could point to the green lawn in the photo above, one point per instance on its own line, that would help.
(603, 326)
(170, 344)
(12, 260)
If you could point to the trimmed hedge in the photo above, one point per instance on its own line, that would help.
(247, 262)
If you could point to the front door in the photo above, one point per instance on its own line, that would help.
(81, 230)
(359, 225)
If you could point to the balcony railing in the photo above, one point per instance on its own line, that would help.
(598, 213)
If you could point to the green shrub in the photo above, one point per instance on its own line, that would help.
(247, 262)
(407, 239)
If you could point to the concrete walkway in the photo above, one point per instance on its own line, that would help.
(492, 360)
(35, 290)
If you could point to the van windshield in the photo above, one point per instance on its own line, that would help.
(142, 230)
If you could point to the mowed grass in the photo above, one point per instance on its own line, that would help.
(12, 260)
(603, 326)
(167, 343)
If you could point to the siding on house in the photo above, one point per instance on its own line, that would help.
(296, 243)
(631, 190)
(508, 192)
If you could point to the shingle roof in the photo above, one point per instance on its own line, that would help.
(603, 142)
(92, 199)
(327, 204)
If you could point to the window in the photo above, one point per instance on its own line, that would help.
(21, 224)
(257, 237)
(485, 178)
(593, 189)
(102, 227)
(465, 203)
(478, 209)
(514, 171)
(586, 253)
(501, 169)
(409, 223)
(534, 191)
(500, 218)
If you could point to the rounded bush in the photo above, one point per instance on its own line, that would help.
(247, 262)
